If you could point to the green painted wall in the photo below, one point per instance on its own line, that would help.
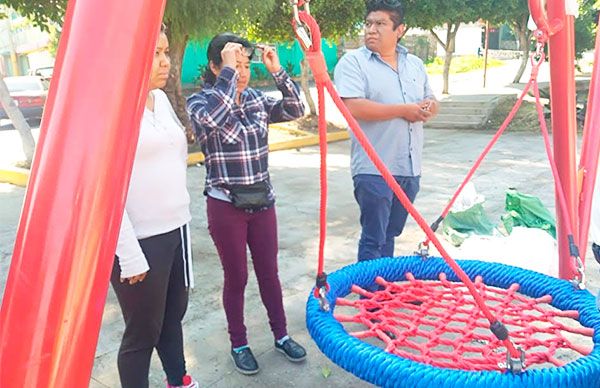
(194, 59)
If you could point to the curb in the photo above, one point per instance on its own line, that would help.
(307, 140)
(14, 175)
(20, 176)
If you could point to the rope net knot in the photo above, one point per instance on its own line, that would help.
(438, 322)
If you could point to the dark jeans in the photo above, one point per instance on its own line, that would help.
(153, 310)
(382, 216)
(232, 230)
(596, 251)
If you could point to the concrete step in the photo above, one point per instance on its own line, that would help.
(463, 110)
(462, 118)
(466, 104)
(452, 125)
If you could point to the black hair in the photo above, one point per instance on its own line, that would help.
(393, 7)
(215, 47)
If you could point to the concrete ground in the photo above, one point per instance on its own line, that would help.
(517, 161)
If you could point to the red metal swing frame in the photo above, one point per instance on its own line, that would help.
(57, 285)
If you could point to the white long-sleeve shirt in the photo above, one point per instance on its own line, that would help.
(158, 200)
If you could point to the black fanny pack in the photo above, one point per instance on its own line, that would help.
(250, 197)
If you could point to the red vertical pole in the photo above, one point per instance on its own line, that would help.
(56, 288)
(564, 125)
(588, 165)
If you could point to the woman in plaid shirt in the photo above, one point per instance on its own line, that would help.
(231, 122)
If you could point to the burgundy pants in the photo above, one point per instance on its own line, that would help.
(232, 230)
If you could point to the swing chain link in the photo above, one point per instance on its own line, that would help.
(302, 32)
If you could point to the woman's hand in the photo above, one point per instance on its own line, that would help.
(270, 58)
(134, 279)
(231, 53)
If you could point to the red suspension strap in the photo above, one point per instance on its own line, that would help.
(536, 63)
(537, 59)
(303, 21)
(576, 263)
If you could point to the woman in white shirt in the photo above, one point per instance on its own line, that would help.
(152, 270)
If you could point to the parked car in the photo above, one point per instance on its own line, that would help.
(29, 93)
(43, 72)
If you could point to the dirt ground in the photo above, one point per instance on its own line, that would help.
(311, 124)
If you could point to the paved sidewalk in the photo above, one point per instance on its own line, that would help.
(517, 161)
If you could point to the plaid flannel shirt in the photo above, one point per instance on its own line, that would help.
(234, 138)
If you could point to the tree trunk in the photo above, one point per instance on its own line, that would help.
(341, 47)
(304, 84)
(18, 121)
(451, 31)
(448, 47)
(524, 35)
(177, 44)
(447, 62)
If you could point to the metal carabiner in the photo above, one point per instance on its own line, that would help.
(302, 32)
(580, 268)
(423, 250)
(514, 365)
(323, 302)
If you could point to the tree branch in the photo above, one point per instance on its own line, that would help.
(438, 38)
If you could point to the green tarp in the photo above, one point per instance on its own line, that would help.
(527, 210)
(521, 210)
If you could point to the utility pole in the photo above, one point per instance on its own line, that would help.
(486, 50)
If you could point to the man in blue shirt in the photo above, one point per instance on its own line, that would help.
(386, 89)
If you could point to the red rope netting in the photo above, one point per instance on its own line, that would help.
(439, 323)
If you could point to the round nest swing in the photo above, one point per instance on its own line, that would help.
(434, 335)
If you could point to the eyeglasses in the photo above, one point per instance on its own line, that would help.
(248, 51)
(254, 52)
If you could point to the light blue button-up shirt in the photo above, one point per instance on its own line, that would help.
(362, 73)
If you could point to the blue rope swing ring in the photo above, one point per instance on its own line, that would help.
(378, 367)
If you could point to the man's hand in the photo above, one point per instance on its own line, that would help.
(430, 105)
(270, 58)
(134, 279)
(416, 112)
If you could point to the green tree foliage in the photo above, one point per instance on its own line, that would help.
(187, 19)
(448, 13)
(514, 13)
(337, 19)
(585, 26)
(43, 13)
